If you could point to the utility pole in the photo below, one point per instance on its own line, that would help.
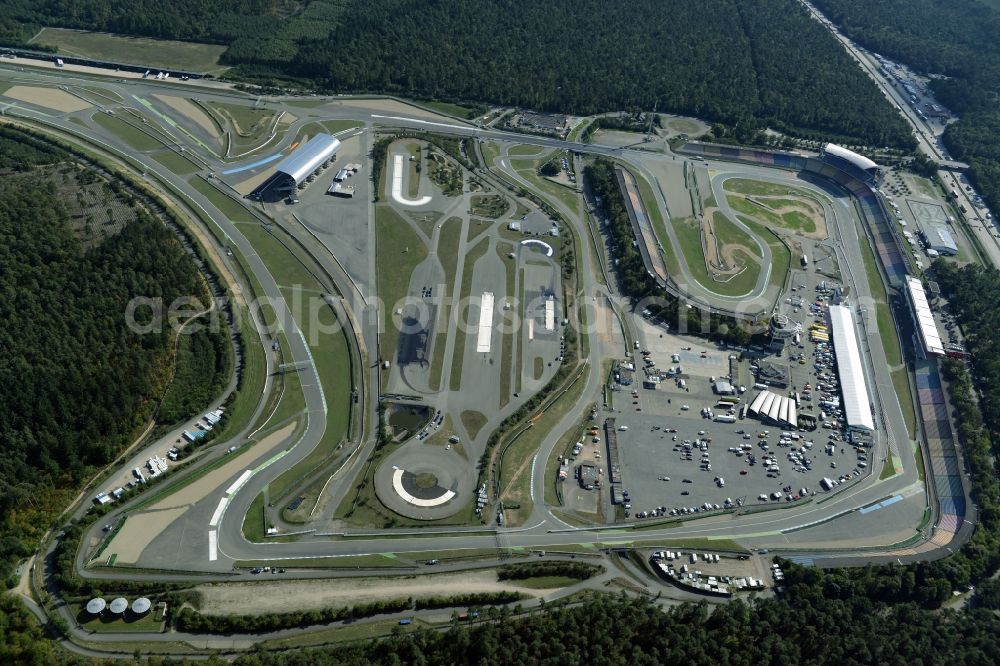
(649, 128)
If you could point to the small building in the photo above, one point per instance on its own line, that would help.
(617, 495)
(564, 469)
(939, 239)
(722, 387)
(339, 189)
(194, 435)
(589, 476)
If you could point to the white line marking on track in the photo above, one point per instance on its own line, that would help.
(214, 522)
(244, 477)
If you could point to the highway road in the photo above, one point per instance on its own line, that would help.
(928, 142)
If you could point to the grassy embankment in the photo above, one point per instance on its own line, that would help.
(165, 53)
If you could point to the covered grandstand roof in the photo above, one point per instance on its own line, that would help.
(857, 407)
(859, 161)
(778, 408)
(309, 157)
(930, 337)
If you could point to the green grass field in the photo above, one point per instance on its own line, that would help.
(354, 632)
(490, 152)
(760, 187)
(528, 170)
(793, 221)
(729, 233)
(688, 233)
(134, 137)
(781, 256)
(471, 256)
(249, 125)
(400, 250)
(233, 211)
(525, 151)
(168, 54)
(331, 354)
(345, 562)
(463, 111)
(282, 264)
(887, 469)
(178, 164)
(683, 125)
(329, 350)
(253, 521)
(292, 402)
(307, 103)
(901, 383)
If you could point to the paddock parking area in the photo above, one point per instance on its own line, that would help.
(663, 464)
(675, 455)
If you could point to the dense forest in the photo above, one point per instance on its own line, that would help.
(219, 21)
(203, 366)
(803, 627)
(956, 42)
(748, 65)
(75, 381)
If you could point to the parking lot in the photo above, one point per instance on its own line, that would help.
(676, 457)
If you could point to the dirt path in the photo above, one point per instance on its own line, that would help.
(719, 261)
(807, 207)
(278, 597)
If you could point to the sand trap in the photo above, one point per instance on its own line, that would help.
(139, 531)
(217, 478)
(288, 118)
(247, 186)
(397, 185)
(50, 98)
(279, 597)
(187, 108)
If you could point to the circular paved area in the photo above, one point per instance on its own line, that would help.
(425, 481)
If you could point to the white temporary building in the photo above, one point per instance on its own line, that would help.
(857, 406)
(778, 408)
(930, 337)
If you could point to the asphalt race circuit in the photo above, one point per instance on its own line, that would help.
(829, 529)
